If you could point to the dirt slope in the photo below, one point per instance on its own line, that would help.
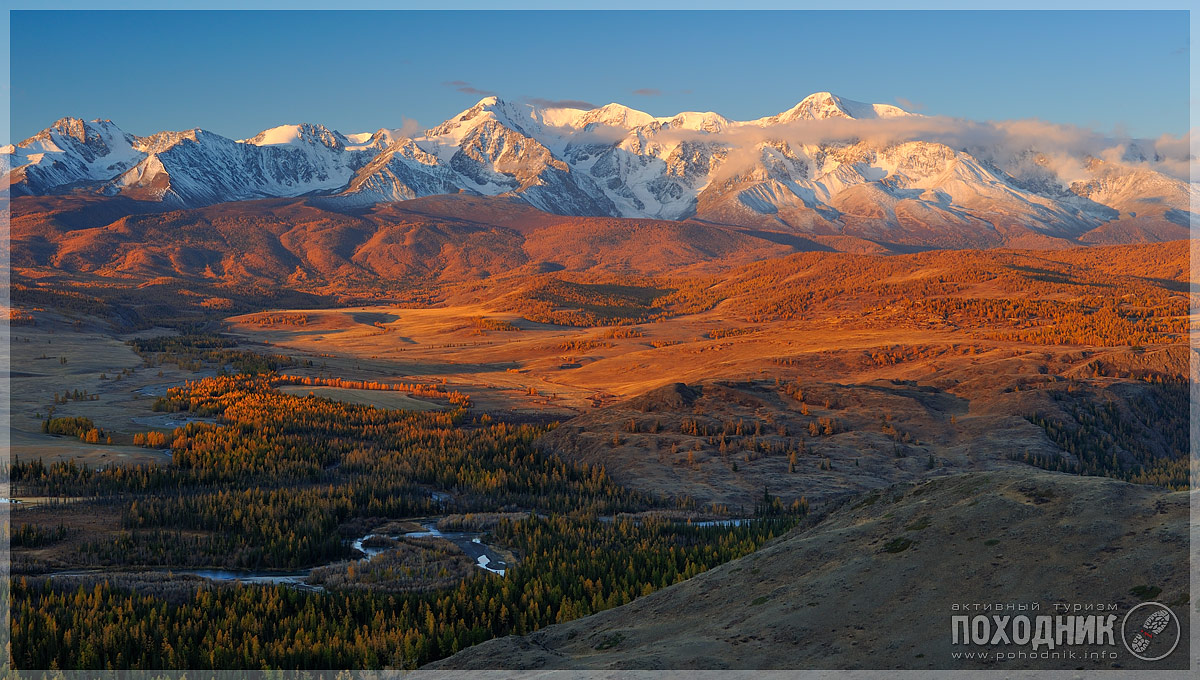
(835, 596)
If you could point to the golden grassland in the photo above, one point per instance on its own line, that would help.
(981, 325)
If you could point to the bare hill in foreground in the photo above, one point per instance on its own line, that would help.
(873, 585)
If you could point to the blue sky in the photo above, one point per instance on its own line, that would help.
(236, 73)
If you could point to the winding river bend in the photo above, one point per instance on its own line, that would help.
(471, 543)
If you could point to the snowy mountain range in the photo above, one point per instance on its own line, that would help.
(828, 165)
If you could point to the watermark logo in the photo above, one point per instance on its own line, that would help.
(1148, 633)
(1072, 632)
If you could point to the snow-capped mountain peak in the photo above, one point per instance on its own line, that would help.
(490, 109)
(825, 105)
(617, 161)
(611, 115)
(706, 121)
(302, 134)
(71, 151)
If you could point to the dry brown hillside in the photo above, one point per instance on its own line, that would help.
(306, 244)
(873, 586)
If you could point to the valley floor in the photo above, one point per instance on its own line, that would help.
(737, 473)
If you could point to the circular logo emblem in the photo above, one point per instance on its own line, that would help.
(1147, 633)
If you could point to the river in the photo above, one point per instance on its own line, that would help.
(471, 543)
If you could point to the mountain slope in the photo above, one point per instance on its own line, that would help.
(826, 166)
(873, 585)
(68, 153)
(304, 243)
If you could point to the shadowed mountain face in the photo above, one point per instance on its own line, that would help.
(873, 585)
(828, 166)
